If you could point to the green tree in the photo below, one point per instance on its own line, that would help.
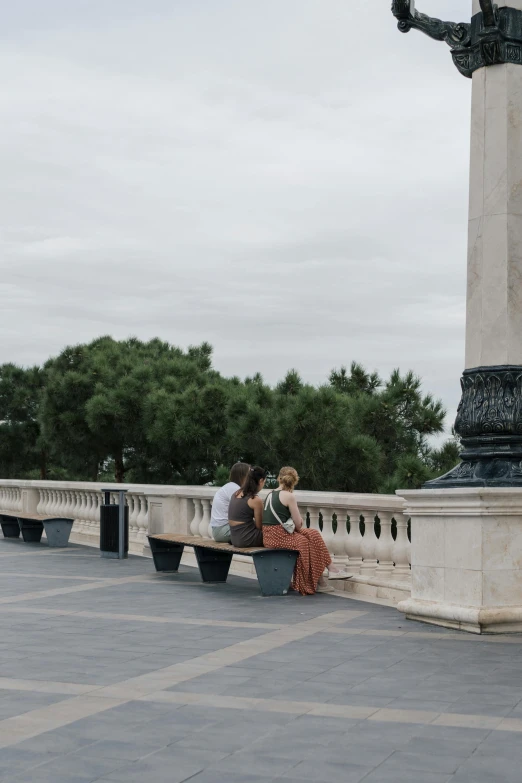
(95, 397)
(22, 447)
(149, 412)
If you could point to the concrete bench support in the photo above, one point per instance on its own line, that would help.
(10, 527)
(58, 531)
(32, 531)
(274, 569)
(213, 565)
(166, 555)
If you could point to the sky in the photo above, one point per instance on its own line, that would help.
(286, 179)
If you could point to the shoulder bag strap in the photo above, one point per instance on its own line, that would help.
(268, 504)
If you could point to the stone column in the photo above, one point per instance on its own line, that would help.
(494, 292)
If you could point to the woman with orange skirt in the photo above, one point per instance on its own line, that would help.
(314, 557)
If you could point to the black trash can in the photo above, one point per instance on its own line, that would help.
(110, 528)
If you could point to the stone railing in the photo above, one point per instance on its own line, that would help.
(368, 534)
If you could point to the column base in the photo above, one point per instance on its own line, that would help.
(489, 422)
(488, 471)
(479, 620)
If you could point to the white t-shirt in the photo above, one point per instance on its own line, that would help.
(221, 503)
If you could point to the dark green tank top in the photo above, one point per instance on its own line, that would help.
(283, 512)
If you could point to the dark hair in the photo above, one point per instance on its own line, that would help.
(254, 477)
(238, 472)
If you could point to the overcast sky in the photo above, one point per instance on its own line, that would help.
(286, 179)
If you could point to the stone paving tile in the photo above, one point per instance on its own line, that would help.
(216, 776)
(384, 775)
(493, 769)
(326, 772)
(423, 762)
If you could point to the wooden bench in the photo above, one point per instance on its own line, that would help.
(32, 526)
(274, 567)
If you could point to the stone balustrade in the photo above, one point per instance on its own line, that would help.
(357, 528)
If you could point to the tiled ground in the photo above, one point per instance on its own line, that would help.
(111, 672)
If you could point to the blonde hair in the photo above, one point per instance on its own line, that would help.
(288, 478)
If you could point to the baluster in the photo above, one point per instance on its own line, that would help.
(196, 519)
(142, 520)
(384, 547)
(47, 501)
(40, 504)
(341, 537)
(354, 543)
(401, 550)
(68, 509)
(139, 517)
(83, 510)
(133, 516)
(333, 541)
(18, 499)
(76, 508)
(68, 504)
(327, 533)
(204, 525)
(96, 501)
(313, 512)
(90, 514)
(369, 546)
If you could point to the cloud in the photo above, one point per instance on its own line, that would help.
(287, 180)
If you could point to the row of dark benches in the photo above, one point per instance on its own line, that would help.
(31, 527)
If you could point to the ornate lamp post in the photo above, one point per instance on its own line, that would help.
(489, 419)
(467, 525)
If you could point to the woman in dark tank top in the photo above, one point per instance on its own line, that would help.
(245, 512)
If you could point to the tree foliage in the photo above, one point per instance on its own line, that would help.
(149, 412)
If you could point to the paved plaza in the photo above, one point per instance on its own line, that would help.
(111, 672)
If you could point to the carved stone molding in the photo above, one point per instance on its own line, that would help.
(494, 35)
(489, 422)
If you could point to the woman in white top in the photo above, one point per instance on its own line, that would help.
(221, 502)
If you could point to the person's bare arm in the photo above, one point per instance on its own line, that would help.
(289, 500)
(257, 505)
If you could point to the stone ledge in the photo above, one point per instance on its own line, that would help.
(373, 587)
(479, 620)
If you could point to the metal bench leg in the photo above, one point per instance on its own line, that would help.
(58, 531)
(274, 569)
(10, 527)
(166, 555)
(213, 565)
(32, 532)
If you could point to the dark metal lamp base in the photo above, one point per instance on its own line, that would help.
(489, 422)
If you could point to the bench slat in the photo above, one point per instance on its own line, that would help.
(208, 543)
(32, 517)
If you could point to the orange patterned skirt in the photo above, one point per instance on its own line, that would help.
(312, 559)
